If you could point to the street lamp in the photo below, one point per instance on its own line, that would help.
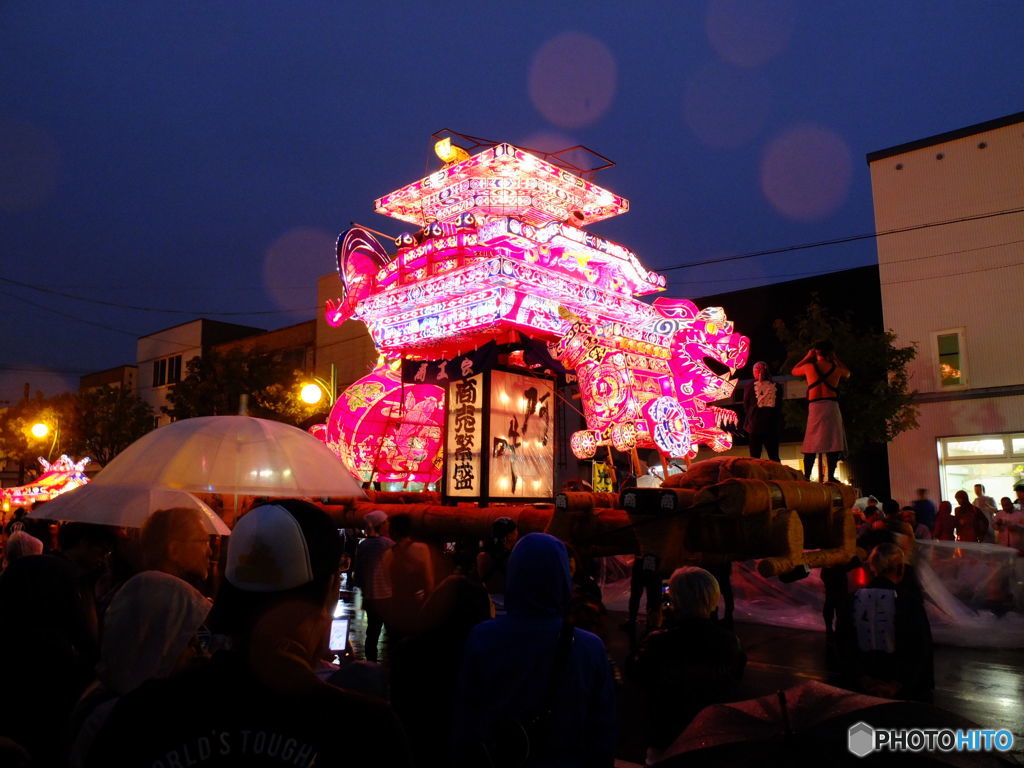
(313, 391)
(41, 429)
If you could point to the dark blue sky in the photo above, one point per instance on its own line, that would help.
(202, 156)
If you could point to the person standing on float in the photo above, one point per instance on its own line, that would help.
(762, 406)
(825, 432)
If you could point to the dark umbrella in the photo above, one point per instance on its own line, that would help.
(808, 725)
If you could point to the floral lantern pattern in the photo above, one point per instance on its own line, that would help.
(387, 431)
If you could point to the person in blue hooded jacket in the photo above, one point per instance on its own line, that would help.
(511, 661)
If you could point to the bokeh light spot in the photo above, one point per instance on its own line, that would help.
(725, 107)
(806, 172)
(572, 80)
(292, 264)
(749, 33)
(29, 160)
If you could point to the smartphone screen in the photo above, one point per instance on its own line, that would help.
(339, 635)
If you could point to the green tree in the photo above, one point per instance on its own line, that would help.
(877, 403)
(109, 420)
(214, 384)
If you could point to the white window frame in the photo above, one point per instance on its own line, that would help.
(961, 334)
(170, 363)
(1007, 454)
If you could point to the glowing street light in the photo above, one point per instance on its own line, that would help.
(41, 430)
(311, 393)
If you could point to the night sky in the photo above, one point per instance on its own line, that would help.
(166, 160)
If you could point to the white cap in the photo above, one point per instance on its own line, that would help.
(267, 551)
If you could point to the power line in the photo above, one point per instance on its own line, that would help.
(952, 253)
(45, 308)
(172, 342)
(820, 272)
(840, 240)
(952, 274)
(705, 262)
(118, 305)
(42, 371)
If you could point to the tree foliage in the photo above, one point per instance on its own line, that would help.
(109, 420)
(213, 385)
(877, 404)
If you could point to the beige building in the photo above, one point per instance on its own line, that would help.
(120, 377)
(294, 345)
(949, 212)
(161, 357)
(312, 346)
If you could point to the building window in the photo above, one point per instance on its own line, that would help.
(950, 357)
(167, 370)
(995, 461)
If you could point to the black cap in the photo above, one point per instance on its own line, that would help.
(502, 527)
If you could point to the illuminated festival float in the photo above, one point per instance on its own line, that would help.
(499, 291)
(488, 312)
(58, 477)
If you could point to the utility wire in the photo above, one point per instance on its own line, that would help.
(887, 264)
(705, 262)
(43, 371)
(191, 313)
(952, 274)
(122, 331)
(840, 240)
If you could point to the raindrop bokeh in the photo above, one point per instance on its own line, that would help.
(806, 172)
(292, 262)
(749, 33)
(572, 80)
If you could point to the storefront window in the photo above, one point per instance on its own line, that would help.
(980, 447)
(994, 461)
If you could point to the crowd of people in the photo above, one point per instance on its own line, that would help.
(976, 520)
(122, 653)
(880, 631)
(120, 657)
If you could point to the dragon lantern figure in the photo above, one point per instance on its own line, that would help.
(500, 253)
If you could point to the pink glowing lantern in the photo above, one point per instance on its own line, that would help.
(387, 431)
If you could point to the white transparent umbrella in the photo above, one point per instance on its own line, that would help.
(238, 455)
(126, 506)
